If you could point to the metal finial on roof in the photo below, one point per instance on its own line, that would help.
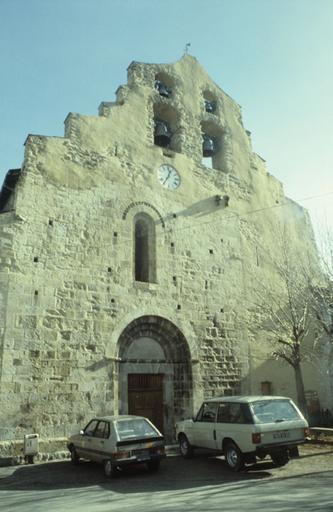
(186, 48)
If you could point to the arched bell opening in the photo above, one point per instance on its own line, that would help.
(210, 102)
(166, 127)
(155, 372)
(212, 137)
(163, 85)
(209, 145)
(162, 133)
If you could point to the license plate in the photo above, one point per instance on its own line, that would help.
(281, 435)
(142, 455)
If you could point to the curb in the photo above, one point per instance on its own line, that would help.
(171, 450)
(6, 461)
(39, 457)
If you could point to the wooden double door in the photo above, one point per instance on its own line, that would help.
(145, 397)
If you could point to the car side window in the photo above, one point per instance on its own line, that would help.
(233, 413)
(207, 412)
(247, 415)
(107, 430)
(198, 416)
(100, 430)
(236, 413)
(223, 415)
(90, 428)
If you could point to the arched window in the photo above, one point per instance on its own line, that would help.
(166, 127)
(209, 102)
(163, 85)
(144, 248)
(212, 144)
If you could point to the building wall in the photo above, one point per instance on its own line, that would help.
(69, 300)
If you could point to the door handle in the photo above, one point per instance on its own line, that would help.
(214, 434)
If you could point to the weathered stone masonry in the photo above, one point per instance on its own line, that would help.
(75, 322)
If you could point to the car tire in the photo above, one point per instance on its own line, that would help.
(75, 459)
(233, 457)
(185, 448)
(110, 470)
(153, 466)
(280, 459)
(293, 452)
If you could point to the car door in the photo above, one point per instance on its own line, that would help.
(99, 443)
(85, 443)
(204, 426)
(233, 421)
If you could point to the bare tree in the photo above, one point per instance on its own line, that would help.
(322, 303)
(323, 292)
(286, 310)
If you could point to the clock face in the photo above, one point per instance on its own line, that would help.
(168, 177)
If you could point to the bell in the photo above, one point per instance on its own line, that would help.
(162, 89)
(162, 134)
(209, 106)
(208, 146)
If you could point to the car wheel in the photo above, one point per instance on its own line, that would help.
(75, 459)
(186, 450)
(233, 457)
(293, 452)
(110, 470)
(153, 466)
(280, 459)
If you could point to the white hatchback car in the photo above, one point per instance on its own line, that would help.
(244, 428)
(118, 441)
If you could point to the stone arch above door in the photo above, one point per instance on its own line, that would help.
(161, 330)
(146, 348)
(165, 352)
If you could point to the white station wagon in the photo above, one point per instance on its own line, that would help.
(244, 428)
(118, 441)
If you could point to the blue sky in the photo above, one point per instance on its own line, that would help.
(274, 57)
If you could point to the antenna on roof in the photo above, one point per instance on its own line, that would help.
(186, 48)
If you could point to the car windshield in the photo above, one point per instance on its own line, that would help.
(134, 428)
(274, 411)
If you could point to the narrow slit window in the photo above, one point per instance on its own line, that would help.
(144, 248)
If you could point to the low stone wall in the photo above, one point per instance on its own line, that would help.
(322, 434)
(12, 453)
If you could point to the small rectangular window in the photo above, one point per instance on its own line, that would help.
(266, 387)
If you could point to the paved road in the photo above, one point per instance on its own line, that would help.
(201, 484)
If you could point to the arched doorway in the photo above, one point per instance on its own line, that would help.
(155, 374)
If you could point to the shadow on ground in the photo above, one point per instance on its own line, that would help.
(175, 473)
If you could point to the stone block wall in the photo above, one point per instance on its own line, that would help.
(67, 265)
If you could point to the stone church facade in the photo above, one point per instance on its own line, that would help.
(126, 254)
